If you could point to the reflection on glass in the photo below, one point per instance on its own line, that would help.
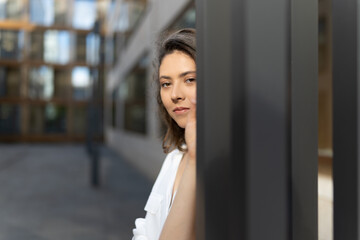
(62, 84)
(36, 51)
(9, 119)
(36, 120)
(84, 14)
(87, 48)
(61, 12)
(79, 120)
(80, 48)
(42, 12)
(47, 119)
(57, 46)
(41, 83)
(104, 8)
(133, 92)
(9, 82)
(81, 83)
(92, 48)
(11, 42)
(11, 9)
(55, 119)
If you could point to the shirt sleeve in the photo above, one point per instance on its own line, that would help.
(140, 230)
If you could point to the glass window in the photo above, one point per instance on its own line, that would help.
(9, 82)
(62, 83)
(79, 120)
(47, 119)
(36, 50)
(41, 83)
(81, 48)
(104, 9)
(11, 42)
(57, 46)
(133, 92)
(81, 83)
(11, 9)
(92, 48)
(36, 120)
(42, 12)
(84, 14)
(55, 119)
(9, 119)
(61, 9)
(88, 48)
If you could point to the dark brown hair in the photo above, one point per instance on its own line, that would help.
(183, 40)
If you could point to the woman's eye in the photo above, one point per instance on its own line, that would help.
(164, 85)
(189, 80)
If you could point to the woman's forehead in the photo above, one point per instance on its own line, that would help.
(176, 62)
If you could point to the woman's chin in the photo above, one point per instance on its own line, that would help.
(181, 124)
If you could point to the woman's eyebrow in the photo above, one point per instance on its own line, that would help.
(186, 73)
(180, 75)
(163, 76)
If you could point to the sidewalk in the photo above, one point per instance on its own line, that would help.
(45, 194)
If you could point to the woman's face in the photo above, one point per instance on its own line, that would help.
(177, 76)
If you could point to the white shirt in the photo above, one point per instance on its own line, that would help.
(158, 205)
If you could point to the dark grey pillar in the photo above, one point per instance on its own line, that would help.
(346, 119)
(304, 118)
(257, 119)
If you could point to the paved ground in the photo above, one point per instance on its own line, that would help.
(45, 194)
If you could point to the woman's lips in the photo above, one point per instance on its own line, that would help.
(180, 110)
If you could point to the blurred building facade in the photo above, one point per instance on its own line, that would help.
(51, 55)
(132, 125)
(49, 61)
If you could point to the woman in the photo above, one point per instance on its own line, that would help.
(169, 217)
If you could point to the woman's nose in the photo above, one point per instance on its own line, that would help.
(176, 93)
